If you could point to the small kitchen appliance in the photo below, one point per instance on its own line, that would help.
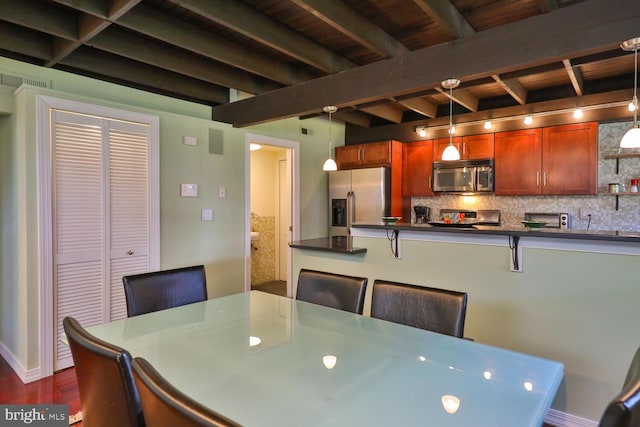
(552, 219)
(421, 214)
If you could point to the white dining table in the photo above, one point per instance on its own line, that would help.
(266, 360)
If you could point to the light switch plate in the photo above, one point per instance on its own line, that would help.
(190, 140)
(206, 214)
(222, 192)
(189, 190)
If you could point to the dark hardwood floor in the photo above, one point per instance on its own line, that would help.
(277, 287)
(60, 388)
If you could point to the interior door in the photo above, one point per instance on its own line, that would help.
(101, 217)
(284, 209)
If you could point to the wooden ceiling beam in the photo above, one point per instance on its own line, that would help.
(583, 29)
(420, 106)
(127, 44)
(513, 87)
(25, 42)
(384, 111)
(355, 26)
(259, 27)
(445, 14)
(96, 63)
(575, 75)
(462, 97)
(354, 117)
(548, 5)
(162, 26)
(40, 17)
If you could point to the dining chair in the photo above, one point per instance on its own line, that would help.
(332, 290)
(159, 290)
(624, 409)
(437, 310)
(108, 394)
(166, 406)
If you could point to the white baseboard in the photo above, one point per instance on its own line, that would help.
(25, 375)
(562, 419)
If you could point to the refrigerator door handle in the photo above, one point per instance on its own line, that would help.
(351, 208)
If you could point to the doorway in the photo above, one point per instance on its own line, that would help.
(272, 213)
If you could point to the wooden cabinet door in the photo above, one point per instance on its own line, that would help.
(348, 157)
(570, 159)
(478, 146)
(518, 162)
(376, 153)
(417, 168)
(440, 144)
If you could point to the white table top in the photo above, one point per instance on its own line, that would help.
(385, 374)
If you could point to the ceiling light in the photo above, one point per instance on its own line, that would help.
(451, 152)
(450, 403)
(631, 139)
(422, 131)
(329, 361)
(253, 146)
(577, 113)
(528, 120)
(632, 106)
(488, 124)
(330, 164)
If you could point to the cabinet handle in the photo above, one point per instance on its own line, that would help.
(362, 154)
(430, 183)
(129, 252)
(537, 179)
(544, 179)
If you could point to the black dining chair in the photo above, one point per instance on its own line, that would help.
(159, 290)
(108, 395)
(332, 290)
(166, 406)
(624, 409)
(437, 310)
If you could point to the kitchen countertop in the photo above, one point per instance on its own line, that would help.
(339, 244)
(616, 236)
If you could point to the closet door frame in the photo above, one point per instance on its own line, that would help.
(44, 105)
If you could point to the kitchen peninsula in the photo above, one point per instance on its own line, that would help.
(568, 300)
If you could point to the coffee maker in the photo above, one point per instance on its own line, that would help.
(422, 214)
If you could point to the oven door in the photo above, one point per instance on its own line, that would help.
(454, 179)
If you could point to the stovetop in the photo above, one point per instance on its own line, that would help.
(482, 216)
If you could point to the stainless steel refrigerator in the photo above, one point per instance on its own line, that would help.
(358, 196)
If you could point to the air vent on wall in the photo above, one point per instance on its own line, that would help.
(18, 80)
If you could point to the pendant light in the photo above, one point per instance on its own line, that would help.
(451, 152)
(330, 164)
(631, 139)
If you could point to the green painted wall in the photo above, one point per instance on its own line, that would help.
(578, 308)
(185, 240)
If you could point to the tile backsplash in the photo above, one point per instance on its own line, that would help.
(602, 206)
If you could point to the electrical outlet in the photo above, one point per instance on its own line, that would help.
(586, 213)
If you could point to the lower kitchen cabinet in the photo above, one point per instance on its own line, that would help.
(417, 168)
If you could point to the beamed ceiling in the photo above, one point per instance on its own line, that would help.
(380, 61)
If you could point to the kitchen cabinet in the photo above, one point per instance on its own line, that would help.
(470, 147)
(364, 155)
(417, 168)
(557, 160)
(375, 154)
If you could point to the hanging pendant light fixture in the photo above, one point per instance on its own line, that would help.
(451, 152)
(330, 164)
(631, 139)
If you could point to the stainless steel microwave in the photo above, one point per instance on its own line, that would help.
(463, 176)
(553, 220)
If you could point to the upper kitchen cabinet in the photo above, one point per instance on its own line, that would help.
(558, 160)
(518, 162)
(478, 146)
(570, 159)
(470, 147)
(417, 168)
(365, 155)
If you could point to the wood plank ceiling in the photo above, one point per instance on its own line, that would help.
(380, 61)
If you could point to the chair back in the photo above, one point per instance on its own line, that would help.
(332, 290)
(108, 394)
(159, 290)
(437, 310)
(166, 406)
(624, 410)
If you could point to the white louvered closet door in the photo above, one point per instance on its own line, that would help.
(101, 219)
